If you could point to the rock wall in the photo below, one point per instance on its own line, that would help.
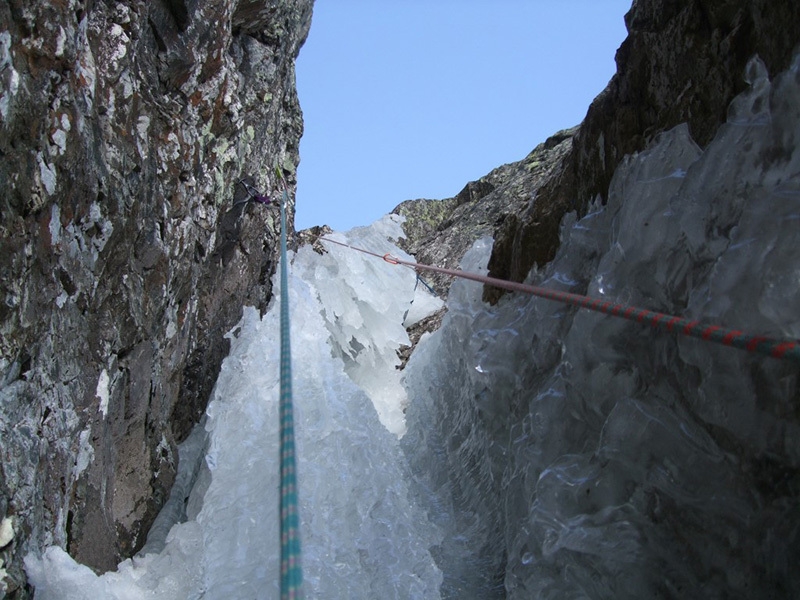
(682, 61)
(124, 128)
(439, 232)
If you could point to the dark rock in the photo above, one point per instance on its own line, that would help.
(682, 62)
(473, 191)
(124, 128)
(311, 236)
(439, 232)
(415, 333)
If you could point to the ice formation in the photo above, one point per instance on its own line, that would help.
(368, 309)
(569, 454)
(361, 536)
(548, 452)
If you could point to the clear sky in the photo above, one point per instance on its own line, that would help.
(406, 99)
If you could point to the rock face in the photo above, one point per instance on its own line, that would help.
(441, 231)
(682, 62)
(124, 128)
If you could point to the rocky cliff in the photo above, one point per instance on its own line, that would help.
(124, 128)
(682, 62)
(441, 231)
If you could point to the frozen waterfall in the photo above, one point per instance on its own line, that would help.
(545, 452)
(362, 536)
(570, 454)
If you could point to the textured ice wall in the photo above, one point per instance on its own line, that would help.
(457, 380)
(611, 460)
(361, 536)
(368, 310)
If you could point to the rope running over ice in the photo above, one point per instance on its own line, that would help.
(291, 568)
(776, 348)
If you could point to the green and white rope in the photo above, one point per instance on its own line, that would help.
(291, 568)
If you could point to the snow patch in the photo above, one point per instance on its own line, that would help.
(6, 531)
(85, 453)
(59, 136)
(61, 299)
(47, 174)
(118, 36)
(55, 225)
(103, 392)
(60, 41)
(7, 64)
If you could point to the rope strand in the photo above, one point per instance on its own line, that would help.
(291, 568)
(776, 348)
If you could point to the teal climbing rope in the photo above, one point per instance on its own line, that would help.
(291, 569)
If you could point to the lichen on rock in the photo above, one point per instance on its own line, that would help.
(124, 128)
(439, 232)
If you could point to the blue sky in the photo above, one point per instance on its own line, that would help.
(406, 99)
